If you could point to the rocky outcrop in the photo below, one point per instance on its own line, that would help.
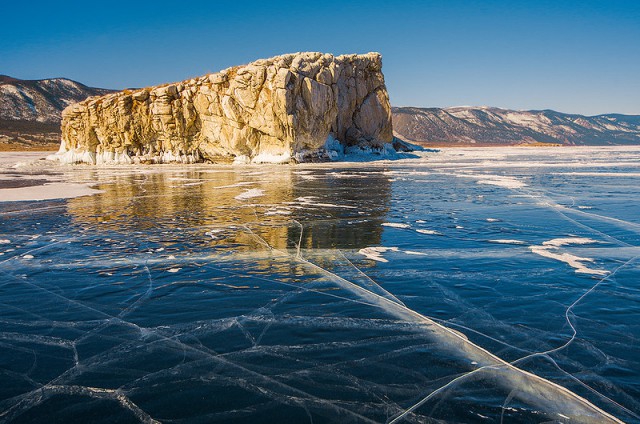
(494, 126)
(302, 106)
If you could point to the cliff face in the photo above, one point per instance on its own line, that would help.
(272, 110)
(494, 126)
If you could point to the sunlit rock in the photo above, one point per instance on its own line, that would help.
(290, 107)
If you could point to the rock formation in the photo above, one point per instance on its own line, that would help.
(303, 106)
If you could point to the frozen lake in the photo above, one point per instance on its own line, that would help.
(464, 285)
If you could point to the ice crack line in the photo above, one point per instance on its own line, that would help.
(536, 390)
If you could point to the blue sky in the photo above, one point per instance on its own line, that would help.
(571, 56)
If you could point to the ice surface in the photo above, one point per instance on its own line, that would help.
(507, 241)
(564, 241)
(46, 192)
(430, 232)
(396, 225)
(571, 260)
(375, 253)
(163, 300)
(250, 193)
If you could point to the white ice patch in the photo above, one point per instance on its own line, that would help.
(495, 180)
(277, 212)
(174, 270)
(492, 220)
(249, 194)
(309, 201)
(506, 182)
(271, 158)
(506, 241)
(241, 160)
(214, 233)
(46, 192)
(5, 241)
(375, 253)
(411, 252)
(396, 225)
(550, 249)
(564, 241)
(429, 232)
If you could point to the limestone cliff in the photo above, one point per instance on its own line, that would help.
(295, 106)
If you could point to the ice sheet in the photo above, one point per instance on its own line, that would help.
(159, 301)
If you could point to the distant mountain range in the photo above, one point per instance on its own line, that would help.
(493, 126)
(30, 113)
(30, 110)
(41, 100)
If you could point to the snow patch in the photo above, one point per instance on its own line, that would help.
(550, 249)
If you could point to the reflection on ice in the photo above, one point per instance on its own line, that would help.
(250, 193)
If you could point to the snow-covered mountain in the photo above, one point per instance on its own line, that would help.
(30, 110)
(40, 100)
(493, 126)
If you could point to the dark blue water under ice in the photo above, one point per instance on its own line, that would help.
(220, 294)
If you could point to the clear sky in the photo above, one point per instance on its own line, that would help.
(571, 56)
